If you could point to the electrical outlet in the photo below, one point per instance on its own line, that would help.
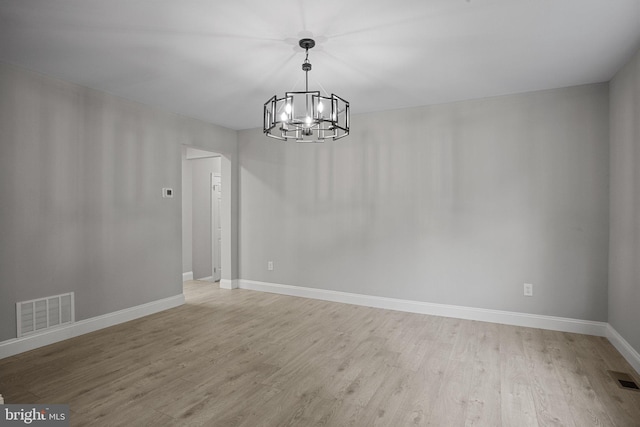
(528, 290)
(270, 265)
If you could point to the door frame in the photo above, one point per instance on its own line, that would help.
(228, 216)
(216, 223)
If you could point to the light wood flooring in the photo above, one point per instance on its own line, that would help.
(245, 358)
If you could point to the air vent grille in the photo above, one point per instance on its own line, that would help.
(45, 313)
(624, 380)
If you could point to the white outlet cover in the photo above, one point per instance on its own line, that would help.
(528, 289)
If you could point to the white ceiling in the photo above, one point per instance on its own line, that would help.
(221, 60)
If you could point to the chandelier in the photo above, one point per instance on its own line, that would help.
(306, 116)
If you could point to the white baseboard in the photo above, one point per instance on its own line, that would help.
(20, 345)
(229, 283)
(187, 276)
(629, 353)
(470, 313)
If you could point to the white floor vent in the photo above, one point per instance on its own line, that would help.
(45, 313)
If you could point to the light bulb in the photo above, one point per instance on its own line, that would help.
(287, 108)
(320, 107)
(308, 120)
(283, 117)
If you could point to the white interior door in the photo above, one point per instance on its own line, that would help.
(216, 239)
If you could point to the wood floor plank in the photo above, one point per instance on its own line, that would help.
(417, 408)
(550, 403)
(453, 397)
(387, 399)
(244, 358)
(518, 407)
(484, 395)
(585, 405)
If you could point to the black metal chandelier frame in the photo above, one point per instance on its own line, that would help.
(306, 116)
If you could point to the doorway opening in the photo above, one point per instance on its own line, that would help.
(202, 224)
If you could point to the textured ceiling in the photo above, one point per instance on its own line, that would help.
(221, 60)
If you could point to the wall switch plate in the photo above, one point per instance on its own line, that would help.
(528, 290)
(167, 193)
(270, 265)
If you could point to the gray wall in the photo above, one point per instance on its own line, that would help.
(624, 258)
(456, 204)
(201, 210)
(81, 174)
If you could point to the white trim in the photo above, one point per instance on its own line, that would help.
(470, 313)
(629, 353)
(229, 283)
(187, 276)
(19, 345)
